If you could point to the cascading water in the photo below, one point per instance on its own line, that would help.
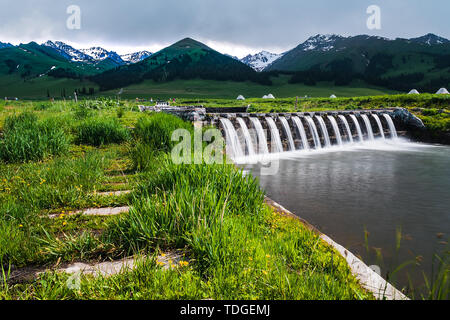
(301, 129)
(242, 141)
(314, 133)
(347, 127)
(324, 130)
(247, 137)
(380, 126)
(336, 130)
(287, 129)
(391, 126)
(358, 128)
(368, 126)
(275, 135)
(232, 138)
(262, 140)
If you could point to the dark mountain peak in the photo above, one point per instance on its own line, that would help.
(189, 43)
(320, 42)
(5, 45)
(430, 39)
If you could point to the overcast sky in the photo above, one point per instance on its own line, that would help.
(236, 27)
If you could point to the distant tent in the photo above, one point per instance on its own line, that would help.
(265, 96)
(240, 97)
(333, 96)
(413, 91)
(442, 91)
(269, 96)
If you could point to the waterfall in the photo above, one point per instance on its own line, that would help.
(287, 129)
(301, 129)
(262, 140)
(232, 138)
(336, 130)
(325, 134)
(358, 128)
(275, 135)
(347, 127)
(368, 126)
(380, 126)
(247, 137)
(391, 126)
(314, 133)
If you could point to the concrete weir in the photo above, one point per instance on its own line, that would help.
(316, 130)
(301, 130)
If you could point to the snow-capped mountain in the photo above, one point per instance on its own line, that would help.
(69, 52)
(5, 45)
(430, 39)
(92, 55)
(260, 60)
(136, 56)
(100, 54)
(320, 42)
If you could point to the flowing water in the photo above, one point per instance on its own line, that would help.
(380, 187)
(324, 130)
(302, 132)
(277, 146)
(288, 132)
(336, 130)
(358, 128)
(247, 137)
(347, 128)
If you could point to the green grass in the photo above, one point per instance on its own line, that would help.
(26, 139)
(99, 131)
(200, 89)
(236, 247)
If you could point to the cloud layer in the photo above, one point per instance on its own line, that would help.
(233, 25)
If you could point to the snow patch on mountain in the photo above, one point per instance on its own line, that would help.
(69, 52)
(100, 54)
(260, 60)
(136, 56)
(430, 39)
(320, 42)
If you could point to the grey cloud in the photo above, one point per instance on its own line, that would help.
(262, 23)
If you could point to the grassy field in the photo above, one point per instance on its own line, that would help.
(226, 242)
(14, 86)
(230, 90)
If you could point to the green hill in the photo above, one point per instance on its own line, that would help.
(32, 60)
(186, 59)
(399, 64)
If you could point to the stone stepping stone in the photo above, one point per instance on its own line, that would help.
(113, 193)
(167, 261)
(95, 212)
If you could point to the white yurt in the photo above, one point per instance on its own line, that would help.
(270, 96)
(265, 96)
(240, 97)
(333, 96)
(413, 91)
(442, 91)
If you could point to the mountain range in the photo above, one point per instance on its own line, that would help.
(422, 62)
